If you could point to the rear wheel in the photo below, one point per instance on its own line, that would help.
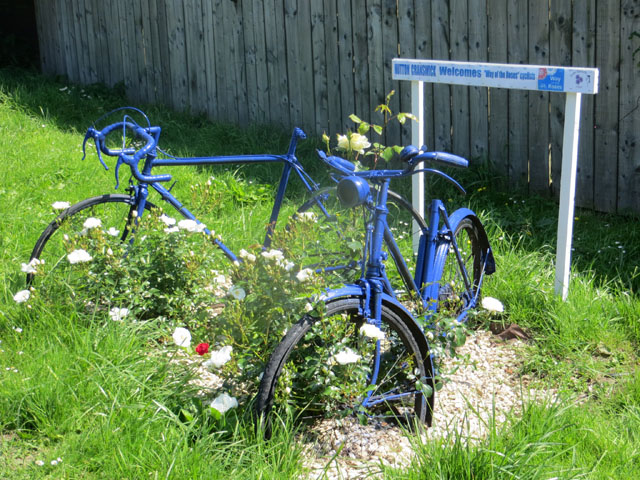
(324, 369)
(95, 228)
(460, 279)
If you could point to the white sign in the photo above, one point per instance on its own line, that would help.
(573, 81)
(498, 75)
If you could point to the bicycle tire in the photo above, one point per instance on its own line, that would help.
(453, 294)
(343, 225)
(294, 385)
(51, 247)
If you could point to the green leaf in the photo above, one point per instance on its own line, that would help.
(387, 153)
(363, 128)
(377, 129)
(354, 118)
(401, 118)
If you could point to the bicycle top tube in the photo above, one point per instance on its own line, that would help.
(150, 134)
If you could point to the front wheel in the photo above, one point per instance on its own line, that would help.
(337, 364)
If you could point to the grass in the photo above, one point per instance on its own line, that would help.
(89, 394)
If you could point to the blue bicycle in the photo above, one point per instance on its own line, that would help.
(133, 142)
(362, 352)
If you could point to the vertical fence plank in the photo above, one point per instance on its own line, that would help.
(517, 45)
(164, 76)
(360, 58)
(306, 67)
(65, 19)
(441, 93)
(478, 96)
(224, 100)
(498, 98)
(126, 49)
(243, 113)
(629, 111)
(250, 60)
(407, 41)
(560, 41)
(345, 56)
(89, 30)
(333, 66)
(45, 37)
(80, 41)
(210, 59)
(98, 30)
(538, 135)
(319, 63)
(262, 80)
(115, 50)
(196, 66)
(459, 44)
(142, 48)
(606, 134)
(389, 52)
(177, 55)
(583, 55)
(424, 43)
(152, 42)
(293, 67)
(374, 47)
(277, 62)
(230, 56)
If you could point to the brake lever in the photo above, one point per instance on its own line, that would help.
(93, 133)
(118, 163)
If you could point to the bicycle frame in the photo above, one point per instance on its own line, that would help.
(374, 286)
(289, 160)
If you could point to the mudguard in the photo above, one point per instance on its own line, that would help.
(456, 217)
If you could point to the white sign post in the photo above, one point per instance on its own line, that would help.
(572, 81)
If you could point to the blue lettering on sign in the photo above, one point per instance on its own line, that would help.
(551, 79)
(423, 70)
(460, 72)
(402, 69)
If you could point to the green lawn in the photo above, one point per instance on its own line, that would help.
(100, 396)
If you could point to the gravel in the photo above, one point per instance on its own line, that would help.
(484, 378)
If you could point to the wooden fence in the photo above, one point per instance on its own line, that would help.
(311, 63)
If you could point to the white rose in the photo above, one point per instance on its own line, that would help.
(22, 296)
(219, 357)
(492, 305)
(92, 222)
(304, 274)
(237, 292)
(191, 226)
(79, 256)
(359, 142)
(371, 331)
(117, 314)
(224, 402)
(168, 221)
(60, 205)
(345, 357)
(249, 257)
(182, 337)
(273, 254)
(113, 231)
(343, 142)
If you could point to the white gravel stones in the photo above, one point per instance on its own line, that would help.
(486, 375)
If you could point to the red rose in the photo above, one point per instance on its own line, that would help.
(202, 348)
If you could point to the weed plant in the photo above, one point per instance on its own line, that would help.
(84, 396)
